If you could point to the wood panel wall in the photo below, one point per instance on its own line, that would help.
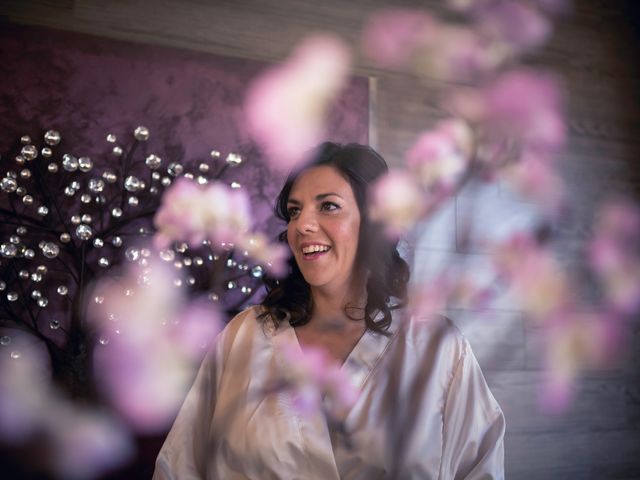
(596, 50)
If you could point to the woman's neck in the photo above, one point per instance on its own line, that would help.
(330, 308)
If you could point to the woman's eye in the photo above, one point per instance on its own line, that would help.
(292, 212)
(329, 206)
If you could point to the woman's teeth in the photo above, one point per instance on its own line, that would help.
(315, 249)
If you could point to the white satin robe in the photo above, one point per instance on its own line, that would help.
(424, 412)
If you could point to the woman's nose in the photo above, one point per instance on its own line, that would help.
(307, 222)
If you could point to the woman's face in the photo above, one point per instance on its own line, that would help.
(324, 226)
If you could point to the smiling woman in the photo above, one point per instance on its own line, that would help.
(398, 398)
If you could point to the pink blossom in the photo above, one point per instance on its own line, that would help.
(535, 179)
(193, 213)
(286, 107)
(440, 156)
(312, 376)
(615, 255)
(539, 284)
(391, 37)
(520, 106)
(273, 256)
(515, 23)
(149, 345)
(397, 201)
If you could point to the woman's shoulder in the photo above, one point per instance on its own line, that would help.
(435, 335)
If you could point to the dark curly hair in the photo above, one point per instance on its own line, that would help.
(289, 299)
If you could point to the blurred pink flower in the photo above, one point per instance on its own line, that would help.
(391, 37)
(313, 377)
(193, 213)
(149, 343)
(522, 106)
(615, 255)
(77, 442)
(397, 201)
(286, 107)
(413, 40)
(537, 180)
(440, 156)
(273, 256)
(539, 284)
(515, 23)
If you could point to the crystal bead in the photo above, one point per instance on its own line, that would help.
(117, 150)
(233, 159)
(25, 139)
(75, 185)
(21, 191)
(235, 185)
(36, 294)
(62, 290)
(29, 254)
(167, 255)
(133, 201)
(43, 302)
(21, 230)
(42, 210)
(111, 138)
(36, 277)
(75, 219)
(132, 184)
(69, 162)
(96, 185)
(141, 133)
(84, 232)
(188, 176)
(116, 212)
(54, 324)
(50, 250)
(202, 180)
(15, 239)
(103, 262)
(85, 164)
(52, 137)
(20, 160)
(69, 191)
(12, 296)
(109, 176)
(116, 241)
(46, 152)
(215, 154)
(3, 285)
(203, 167)
(8, 184)
(155, 176)
(257, 271)
(5, 340)
(177, 282)
(86, 218)
(65, 237)
(25, 173)
(174, 169)
(85, 198)
(231, 285)
(27, 200)
(8, 250)
(15, 355)
(98, 242)
(166, 181)
(153, 161)
(132, 254)
(29, 152)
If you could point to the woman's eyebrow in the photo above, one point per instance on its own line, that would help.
(325, 195)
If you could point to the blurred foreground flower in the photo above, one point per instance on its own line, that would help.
(615, 256)
(150, 343)
(313, 379)
(286, 107)
(441, 155)
(215, 213)
(79, 442)
(397, 201)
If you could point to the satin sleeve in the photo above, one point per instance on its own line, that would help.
(183, 455)
(474, 425)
